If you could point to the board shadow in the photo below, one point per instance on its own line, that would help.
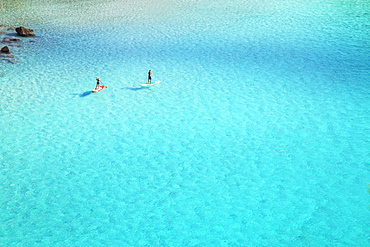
(134, 88)
(84, 94)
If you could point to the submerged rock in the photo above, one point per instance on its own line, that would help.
(10, 40)
(11, 60)
(8, 58)
(24, 32)
(3, 55)
(5, 49)
(14, 45)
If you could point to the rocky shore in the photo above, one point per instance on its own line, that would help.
(10, 39)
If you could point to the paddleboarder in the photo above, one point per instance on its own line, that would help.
(97, 83)
(149, 76)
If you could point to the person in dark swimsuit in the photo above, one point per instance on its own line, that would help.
(149, 76)
(97, 83)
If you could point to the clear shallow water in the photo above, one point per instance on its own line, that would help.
(258, 134)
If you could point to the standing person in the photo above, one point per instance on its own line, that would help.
(97, 83)
(149, 76)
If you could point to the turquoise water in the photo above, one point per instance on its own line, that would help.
(258, 134)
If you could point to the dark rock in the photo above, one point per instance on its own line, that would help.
(10, 39)
(24, 32)
(5, 49)
(10, 28)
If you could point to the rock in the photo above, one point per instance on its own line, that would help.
(5, 49)
(1, 32)
(10, 39)
(4, 55)
(11, 60)
(24, 32)
(8, 58)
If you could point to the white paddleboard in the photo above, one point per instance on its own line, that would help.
(150, 84)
